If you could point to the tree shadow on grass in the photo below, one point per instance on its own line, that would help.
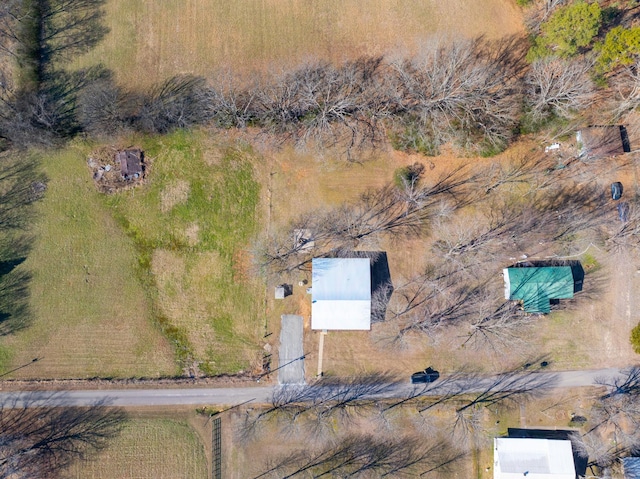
(15, 313)
(41, 439)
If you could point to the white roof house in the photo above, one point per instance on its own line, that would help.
(516, 458)
(341, 294)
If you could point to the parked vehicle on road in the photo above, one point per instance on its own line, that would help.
(429, 375)
(616, 190)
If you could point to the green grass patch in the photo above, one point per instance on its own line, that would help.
(635, 338)
(192, 223)
(91, 315)
(148, 449)
(589, 263)
(5, 358)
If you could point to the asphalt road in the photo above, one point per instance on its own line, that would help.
(262, 394)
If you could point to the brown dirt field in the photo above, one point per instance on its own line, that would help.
(150, 41)
(301, 183)
(244, 459)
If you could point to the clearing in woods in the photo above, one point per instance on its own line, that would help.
(150, 40)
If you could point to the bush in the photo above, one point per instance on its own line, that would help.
(567, 30)
(413, 138)
(487, 149)
(635, 338)
(408, 175)
(621, 46)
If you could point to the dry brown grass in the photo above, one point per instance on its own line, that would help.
(148, 449)
(553, 411)
(176, 193)
(275, 441)
(590, 332)
(301, 183)
(150, 40)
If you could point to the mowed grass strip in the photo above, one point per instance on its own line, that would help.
(193, 222)
(148, 449)
(91, 314)
(152, 40)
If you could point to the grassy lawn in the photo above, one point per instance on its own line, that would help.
(91, 314)
(152, 281)
(152, 40)
(148, 448)
(192, 223)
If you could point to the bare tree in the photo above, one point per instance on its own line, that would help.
(44, 35)
(519, 171)
(557, 87)
(509, 388)
(340, 394)
(539, 12)
(41, 441)
(625, 230)
(327, 105)
(13, 13)
(440, 392)
(317, 404)
(626, 88)
(68, 27)
(229, 104)
(601, 452)
(426, 306)
(573, 208)
(464, 92)
(500, 224)
(104, 108)
(384, 212)
(499, 328)
(176, 103)
(628, 384)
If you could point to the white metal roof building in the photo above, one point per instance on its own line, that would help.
(532, 459)
(341, 294)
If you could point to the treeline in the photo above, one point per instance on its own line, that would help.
(469, 93)
(426, 430)
(38, 96)
(475, 94)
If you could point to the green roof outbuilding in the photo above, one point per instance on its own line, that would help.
(536, 286)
